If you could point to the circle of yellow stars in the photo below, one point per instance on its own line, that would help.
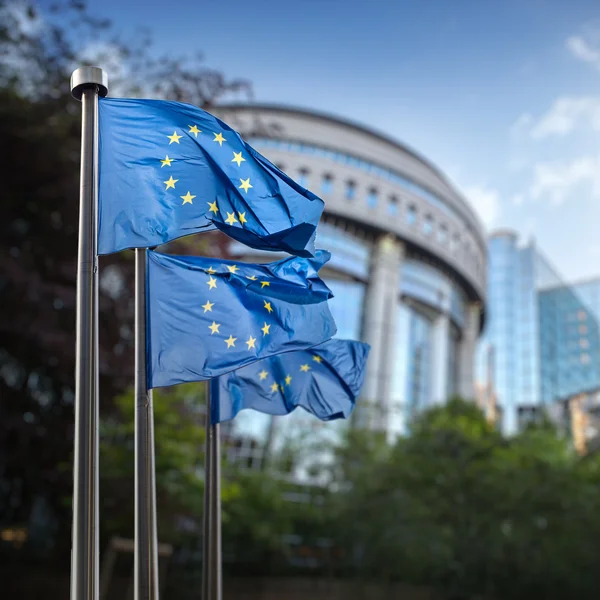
(215, 327)
(233, 218)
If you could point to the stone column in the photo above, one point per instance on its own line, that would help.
(379, 328)
(440, 345)
(466, 358)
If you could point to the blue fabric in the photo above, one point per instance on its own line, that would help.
(139, 154)
(195, 304)
(324, 380)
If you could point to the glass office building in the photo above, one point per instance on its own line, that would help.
(408, 267)
(540, 337)
(570, 341)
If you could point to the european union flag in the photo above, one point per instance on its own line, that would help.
(169, 169)
(324, 380)
(206, 317)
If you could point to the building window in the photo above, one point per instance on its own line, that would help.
(303, 177)
(350, 190)
(327, 184)
(443, 234)
(583, 329)
(583, 343)
(411, 214)
(393, 205)
(372, 198)
(581, 315)
(428, 225)
(584, 359)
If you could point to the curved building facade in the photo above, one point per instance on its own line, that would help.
(408, 267)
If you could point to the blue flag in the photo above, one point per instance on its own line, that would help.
(169, 169)
(206, 317)
(324, 380)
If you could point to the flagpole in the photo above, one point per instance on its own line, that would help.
(87, 84)
(212, 573)
(146, 537)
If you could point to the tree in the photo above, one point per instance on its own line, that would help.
(457, 506)
(179, 432)
(40, 126)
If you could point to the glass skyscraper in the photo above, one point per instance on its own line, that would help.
(408, 269)
(570, 340)
(540, 337)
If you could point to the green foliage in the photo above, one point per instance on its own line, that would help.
(460, 507)
(454, 505)
(179, 433)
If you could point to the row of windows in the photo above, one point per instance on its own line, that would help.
(358, 163)
(392, 203)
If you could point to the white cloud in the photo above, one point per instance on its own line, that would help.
(564, 116)
(517, 199)
(486, 202)
(559, 179)
(583, 50)
(567, 113)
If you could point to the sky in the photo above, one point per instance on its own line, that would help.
(502, 95)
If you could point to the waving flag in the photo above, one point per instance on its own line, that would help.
(325, 381)
(168, 169)
(206, 317)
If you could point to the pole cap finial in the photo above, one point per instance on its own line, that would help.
(86, 77)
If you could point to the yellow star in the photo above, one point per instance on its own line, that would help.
(250, 343)
(210, 271)
(264, 284)
(213, 207)
(233, 268)
(230, 218)
(268, 306)
(274, 387)
(238, 158)
(219, 138)
(208, 306)
(187, 199)
(174, 138)
(166, 161)
(251, 277)
(211, 283)
(265, 329)
(242, 217)
(214, 328)
(288, 380)
(245, 185)
(170, 183)
(317, 359)
(263, 375)
(305, 368)
(230, 341)
(194, 129)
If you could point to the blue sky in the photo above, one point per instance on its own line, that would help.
(503, 95)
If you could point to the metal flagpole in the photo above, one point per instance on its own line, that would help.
(146, 538)
(207, 503)
(212, 579)
(216, 577)
(87, 83)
